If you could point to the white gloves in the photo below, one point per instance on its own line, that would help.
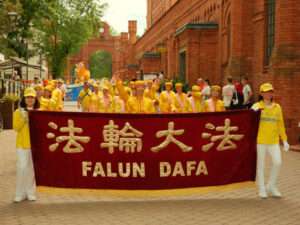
(255, 109)
(23, 113)
(286, 146)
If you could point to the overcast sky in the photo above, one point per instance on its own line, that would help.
(120, 11)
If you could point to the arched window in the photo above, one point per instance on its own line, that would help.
(270, 29)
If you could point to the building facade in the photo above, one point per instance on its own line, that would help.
(214, 38)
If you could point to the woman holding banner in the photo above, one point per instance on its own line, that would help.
(25, 172)
(270, 128)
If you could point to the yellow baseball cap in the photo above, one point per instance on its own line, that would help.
(266, 87)
(195, 88)
(168, 83)
(215, 86)
(29, 92)
(105, 88)
(149, 81)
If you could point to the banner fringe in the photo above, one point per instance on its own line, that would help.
(144, 193)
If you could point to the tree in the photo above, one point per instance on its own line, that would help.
(100, 64)
(14, 36)
(65, 26)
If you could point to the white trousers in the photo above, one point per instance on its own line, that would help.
(274, 151)
(25, 173)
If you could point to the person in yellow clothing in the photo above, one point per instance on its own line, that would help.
(140, 104)
(151, 90)
(47, 103)
(118, 105)
(214, 104)
(165, 99)
(271, 127)
(105, 101)
(84, 98)
(25, 172)
(95, 98)
(151, 93)
(180, 103)
(195, 100)
(125, 93)
(39, 91)
(57, 96)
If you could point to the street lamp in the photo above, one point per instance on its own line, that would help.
(12, 17)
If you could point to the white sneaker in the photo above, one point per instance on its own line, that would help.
(262, 193)
(18, 199)
(274, 191)
(31, 197)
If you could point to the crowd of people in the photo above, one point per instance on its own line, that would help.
(116, 97)
(151, 96)
(144, 97)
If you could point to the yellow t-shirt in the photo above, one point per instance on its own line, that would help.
(85, 97)
(271, 124)
(21, 125)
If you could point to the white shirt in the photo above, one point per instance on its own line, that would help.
(206, 91)
(246, 90)
(227, 93)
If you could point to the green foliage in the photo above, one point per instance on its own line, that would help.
(185, 86)
(10, 98)
(100, 64)
(65, 27)
(13, 36)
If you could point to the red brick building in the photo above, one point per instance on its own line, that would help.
(214, 38)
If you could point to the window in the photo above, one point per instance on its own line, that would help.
(270, 29)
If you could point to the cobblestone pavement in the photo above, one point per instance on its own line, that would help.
(234, 207)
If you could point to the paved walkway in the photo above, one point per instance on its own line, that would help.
(234, 207)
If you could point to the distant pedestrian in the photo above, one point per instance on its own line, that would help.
(200, 84)
(16, 77)
(227, 92)
(206, 90)
(35, 82)
(237, 98)
(248, 95)
(271, 127)
(25, 173)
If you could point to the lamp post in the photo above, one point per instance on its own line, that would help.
(38, 44)
(26, 42)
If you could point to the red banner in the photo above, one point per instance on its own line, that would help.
(143, 152)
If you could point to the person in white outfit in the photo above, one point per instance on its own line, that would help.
(227, 92)
(271, 127)
(25, 171)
